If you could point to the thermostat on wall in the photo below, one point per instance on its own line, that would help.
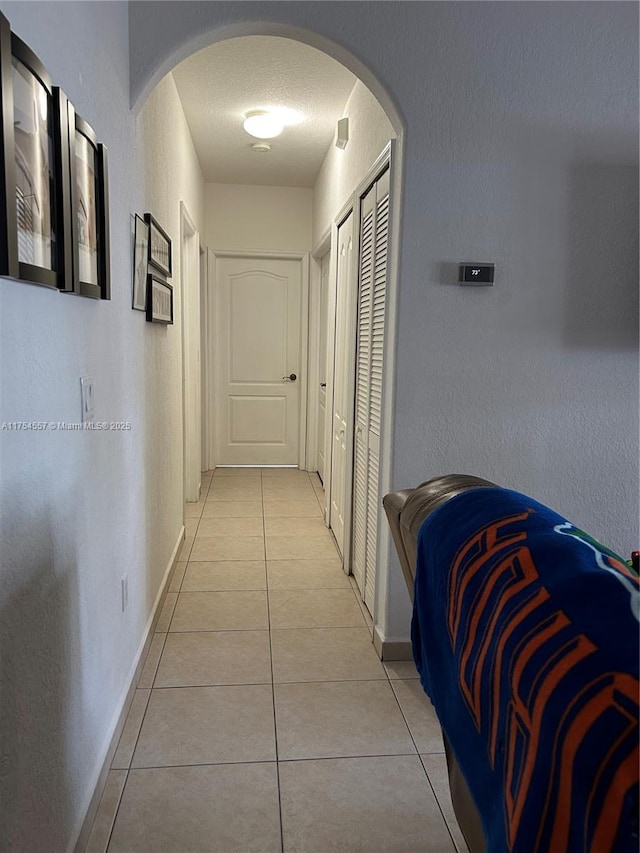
(476, 274)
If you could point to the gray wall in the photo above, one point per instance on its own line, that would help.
(521, 148)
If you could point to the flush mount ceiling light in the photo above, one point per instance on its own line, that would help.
(261, 147)
(263, 124)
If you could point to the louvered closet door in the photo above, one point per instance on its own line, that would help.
(374, 230)
(363, 366)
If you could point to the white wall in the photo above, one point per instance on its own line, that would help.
(171, 175)
(522, 149)
(171, 172)
(80, 510)
(343, 169)
(255, 217)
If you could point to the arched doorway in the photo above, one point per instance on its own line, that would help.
(144, 78)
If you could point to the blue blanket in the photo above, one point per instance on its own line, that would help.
(525, 635)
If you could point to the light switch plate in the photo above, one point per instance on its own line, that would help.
(86, 387)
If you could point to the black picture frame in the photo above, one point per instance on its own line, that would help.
(140, 264)
(35, 210)
(89, 180)
(163, 292)
(159, 246)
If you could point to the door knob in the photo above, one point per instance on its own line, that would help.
(323, 384)
(290, 378)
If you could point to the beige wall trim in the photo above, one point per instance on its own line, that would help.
(391, 649)
(98, 790)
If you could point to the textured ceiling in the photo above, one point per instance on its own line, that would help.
(219, 84)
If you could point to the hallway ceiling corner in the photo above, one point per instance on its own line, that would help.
(220, 84)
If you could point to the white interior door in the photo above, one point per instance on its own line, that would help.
(322, 373)
(258, 324)
(339, 421)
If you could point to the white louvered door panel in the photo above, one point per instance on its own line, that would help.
(379, 295)
(374, 229)
(373, 492)
(378, 313)
(363, 366)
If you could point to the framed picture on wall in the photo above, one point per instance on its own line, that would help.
(140, 256)
(159, 246)
(89, 209)
(159, 301)
(35, 205)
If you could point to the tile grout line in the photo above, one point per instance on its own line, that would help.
(273, 688)
(419, 754)
(437, 799)
(358, 602)
(135, 746)
(186, 569)
(204, 494)
(283, 760)
(153, 681)
(288, 628)
(424, 769)
(128, 768)
(361, 606)
(165, 634)
(115, 816)
(262, 588)
(227, 684)
(155, 675)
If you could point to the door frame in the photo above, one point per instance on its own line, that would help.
(191, 412)
(204, 361)
(344, 213)
(303, 258)
(209, 358)
(323, 246)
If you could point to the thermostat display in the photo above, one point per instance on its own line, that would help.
(476, 274)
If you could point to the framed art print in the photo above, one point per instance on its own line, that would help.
(159, 301)
(89, 209)
(35, 211)
(159, 246)
(140, 256)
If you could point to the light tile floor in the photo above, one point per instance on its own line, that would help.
(263, 719)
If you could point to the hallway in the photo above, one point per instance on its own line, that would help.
(263, 719)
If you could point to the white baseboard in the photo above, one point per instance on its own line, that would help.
(83, 830)
(391, 648)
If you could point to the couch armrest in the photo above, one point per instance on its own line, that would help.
(408, 509)
(394, 504)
